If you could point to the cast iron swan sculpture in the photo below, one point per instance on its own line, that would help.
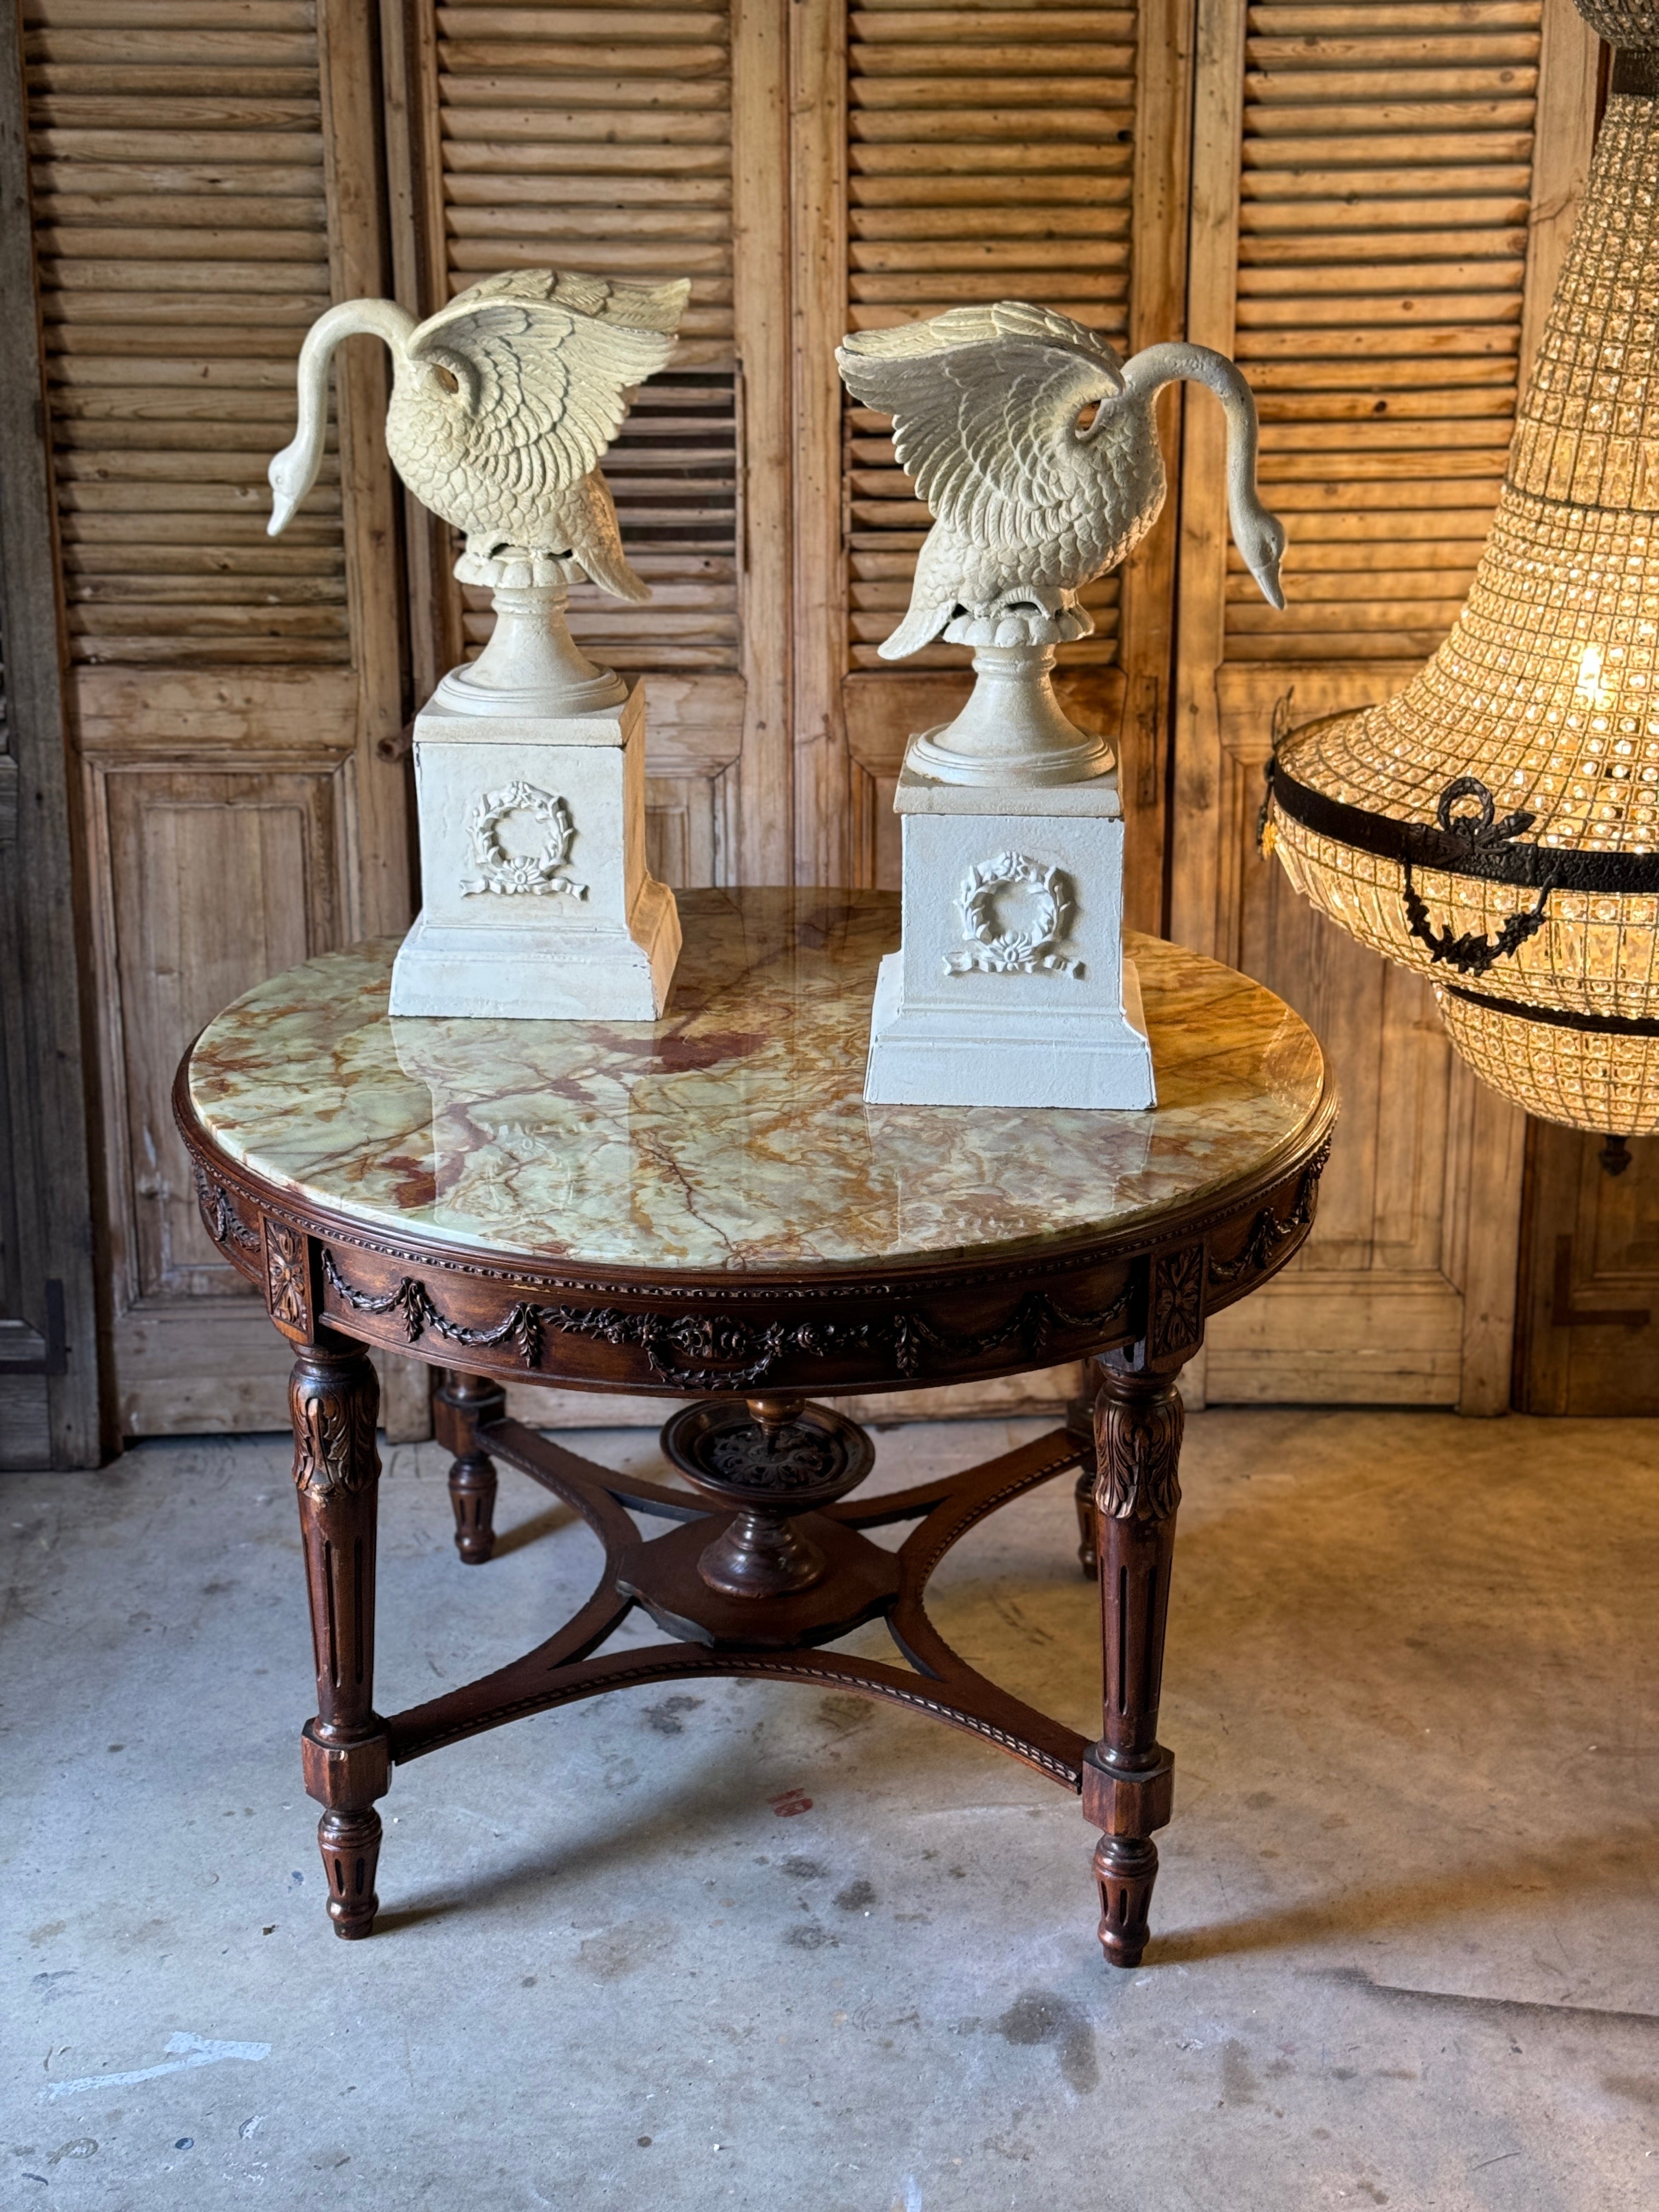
(502, 404)
(1031, 503)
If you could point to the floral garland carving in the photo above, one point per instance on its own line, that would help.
(1268, 1232)
(717, 1351)
(223, 1222)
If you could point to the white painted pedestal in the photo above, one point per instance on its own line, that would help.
(537, 903)
(1010, 989)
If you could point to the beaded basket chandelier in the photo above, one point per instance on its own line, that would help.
(1496, 825)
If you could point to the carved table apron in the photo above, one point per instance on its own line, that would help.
(703, 1208)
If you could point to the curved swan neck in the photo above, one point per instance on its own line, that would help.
(1158, 365)
(295, 470)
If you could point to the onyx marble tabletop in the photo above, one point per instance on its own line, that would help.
(732, 1133)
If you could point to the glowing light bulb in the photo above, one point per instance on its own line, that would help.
(1590, 687)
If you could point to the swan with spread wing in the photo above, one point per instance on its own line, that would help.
(503, 404)
(1031, 502)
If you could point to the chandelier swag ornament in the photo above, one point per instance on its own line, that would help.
(1496, 825)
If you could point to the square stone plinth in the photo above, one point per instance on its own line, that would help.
(537, 902)
(1010, 987)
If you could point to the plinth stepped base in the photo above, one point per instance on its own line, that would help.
(1028, 1056)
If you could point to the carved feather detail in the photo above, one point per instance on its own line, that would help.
(1033, 446)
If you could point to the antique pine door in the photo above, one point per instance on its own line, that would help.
(1381, 196)
(235, 703)
(941, 154)
(1589, 1336)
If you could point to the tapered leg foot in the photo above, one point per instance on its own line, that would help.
(1126, 1867)
(350, 1846)
(462, 1405)
(472, 1496)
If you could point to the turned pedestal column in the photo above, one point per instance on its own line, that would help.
(460, 1407)
(333, 1397)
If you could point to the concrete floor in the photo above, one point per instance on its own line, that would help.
(749, 1947)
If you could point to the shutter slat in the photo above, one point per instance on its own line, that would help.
(599, 139)
(178, 171)
(989, 157)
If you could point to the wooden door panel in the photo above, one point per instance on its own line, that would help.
(234, 702)
(215, 882)
(1590, 1335)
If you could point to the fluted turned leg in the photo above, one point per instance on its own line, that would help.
(462, 1405)
(1128, 1777)
(333, 1397)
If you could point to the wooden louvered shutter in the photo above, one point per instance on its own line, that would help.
(990, 157)
(599, 137)
(1366, 178)
(992, 152)
(234, 700)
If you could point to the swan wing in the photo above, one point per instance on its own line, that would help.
(985, 404)
(544, 362)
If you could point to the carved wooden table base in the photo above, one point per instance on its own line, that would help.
(754, 1581)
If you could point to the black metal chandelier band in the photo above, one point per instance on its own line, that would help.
(1457, 852)
(1636, 69)
(1560, 1018)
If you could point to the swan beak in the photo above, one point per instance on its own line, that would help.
(1272, 590)
(282, 503)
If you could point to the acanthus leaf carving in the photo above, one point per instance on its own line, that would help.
(333, 1415)
(1139, 1476)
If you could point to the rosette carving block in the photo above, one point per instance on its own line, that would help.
(503, 405)
(1035, 448)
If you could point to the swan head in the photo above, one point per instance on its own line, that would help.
(291, 479)
(1259, 536)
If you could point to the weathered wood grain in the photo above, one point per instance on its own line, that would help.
(46, 1218)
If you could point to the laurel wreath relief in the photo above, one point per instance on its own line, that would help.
(1027, 949)
(501, 872)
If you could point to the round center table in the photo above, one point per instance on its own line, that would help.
(705, 1208)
